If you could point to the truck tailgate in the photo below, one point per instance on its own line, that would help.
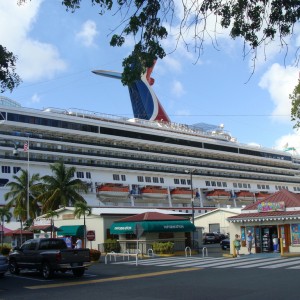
(75, 255)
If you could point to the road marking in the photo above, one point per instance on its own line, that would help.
(219, 263)
(48, 286)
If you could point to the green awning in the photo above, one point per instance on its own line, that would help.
(152, 226)
(71, 230)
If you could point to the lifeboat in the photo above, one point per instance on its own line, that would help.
(108, 190)
(153, 192)
(245, 196)
(261, 196)
(182, 193)
(218, 195)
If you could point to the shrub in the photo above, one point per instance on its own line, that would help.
(5, 250)
(112, 245)
(163, 247)
(95, 254)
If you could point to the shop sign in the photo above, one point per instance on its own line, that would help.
(68, 216)
(271, 206)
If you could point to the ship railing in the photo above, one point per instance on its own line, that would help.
(176, 127)
(154, 124)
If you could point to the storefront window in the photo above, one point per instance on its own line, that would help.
(295, 234)
(243, 236)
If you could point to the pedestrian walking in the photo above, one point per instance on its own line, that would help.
(249, 241)
(237, 245)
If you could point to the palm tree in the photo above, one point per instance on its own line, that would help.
(19, 213)
(5, 215)
(17, 196)
(60, 189)
(81, 208)
(51, 214)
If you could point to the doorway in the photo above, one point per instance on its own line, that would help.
(268, 233)
(285, 237)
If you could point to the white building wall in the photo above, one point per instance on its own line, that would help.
(219, 216)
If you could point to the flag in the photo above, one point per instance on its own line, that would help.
(26, 147)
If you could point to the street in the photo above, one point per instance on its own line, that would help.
(195, 277)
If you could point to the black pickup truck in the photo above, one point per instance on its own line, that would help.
(48, 256)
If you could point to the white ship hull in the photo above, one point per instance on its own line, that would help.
(110, 149)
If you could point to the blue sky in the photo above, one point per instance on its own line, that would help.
(57, 51)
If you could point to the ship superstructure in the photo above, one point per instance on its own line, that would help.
(134, 162)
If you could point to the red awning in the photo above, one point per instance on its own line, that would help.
(18, 232)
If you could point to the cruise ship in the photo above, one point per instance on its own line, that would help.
(144, 161)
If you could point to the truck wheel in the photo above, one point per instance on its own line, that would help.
(47, 272)
(78, 272)
(13, 267)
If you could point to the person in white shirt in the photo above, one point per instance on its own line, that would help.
(78, 244)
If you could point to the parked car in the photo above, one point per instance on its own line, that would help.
(3, 265)
(48, 256)
(225, 244)
(211, 238)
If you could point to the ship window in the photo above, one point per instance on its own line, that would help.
(5, 169)
(240, 185)
(148, 179)
(116, 177)
(182, 181)
(155, 179)
(259, 186)
(140, 178)
(219, 184)
(244, 185)
(263, 187)
(161, 180)
(224, 184)
(176, 181)
(213, 183)
(234, 185)
(88, 175)
(16, 170)
(80, 174)
(189, 182)
(267, 187)
(207, 183)
(123, 177)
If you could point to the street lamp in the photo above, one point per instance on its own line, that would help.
(191, 171)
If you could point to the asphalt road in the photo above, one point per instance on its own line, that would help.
(123, 281)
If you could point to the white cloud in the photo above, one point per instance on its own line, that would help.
(254, 144)
(87, 33)
(36, 60)
(177, 89)
(291, 140)
(35, 99)
(280, 82)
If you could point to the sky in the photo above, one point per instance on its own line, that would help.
(57, 50)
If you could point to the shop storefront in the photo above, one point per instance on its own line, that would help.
(142, 230)
(274, 223)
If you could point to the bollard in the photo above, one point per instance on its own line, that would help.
(281, 246)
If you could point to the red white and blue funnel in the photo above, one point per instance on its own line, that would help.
(145, 104)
